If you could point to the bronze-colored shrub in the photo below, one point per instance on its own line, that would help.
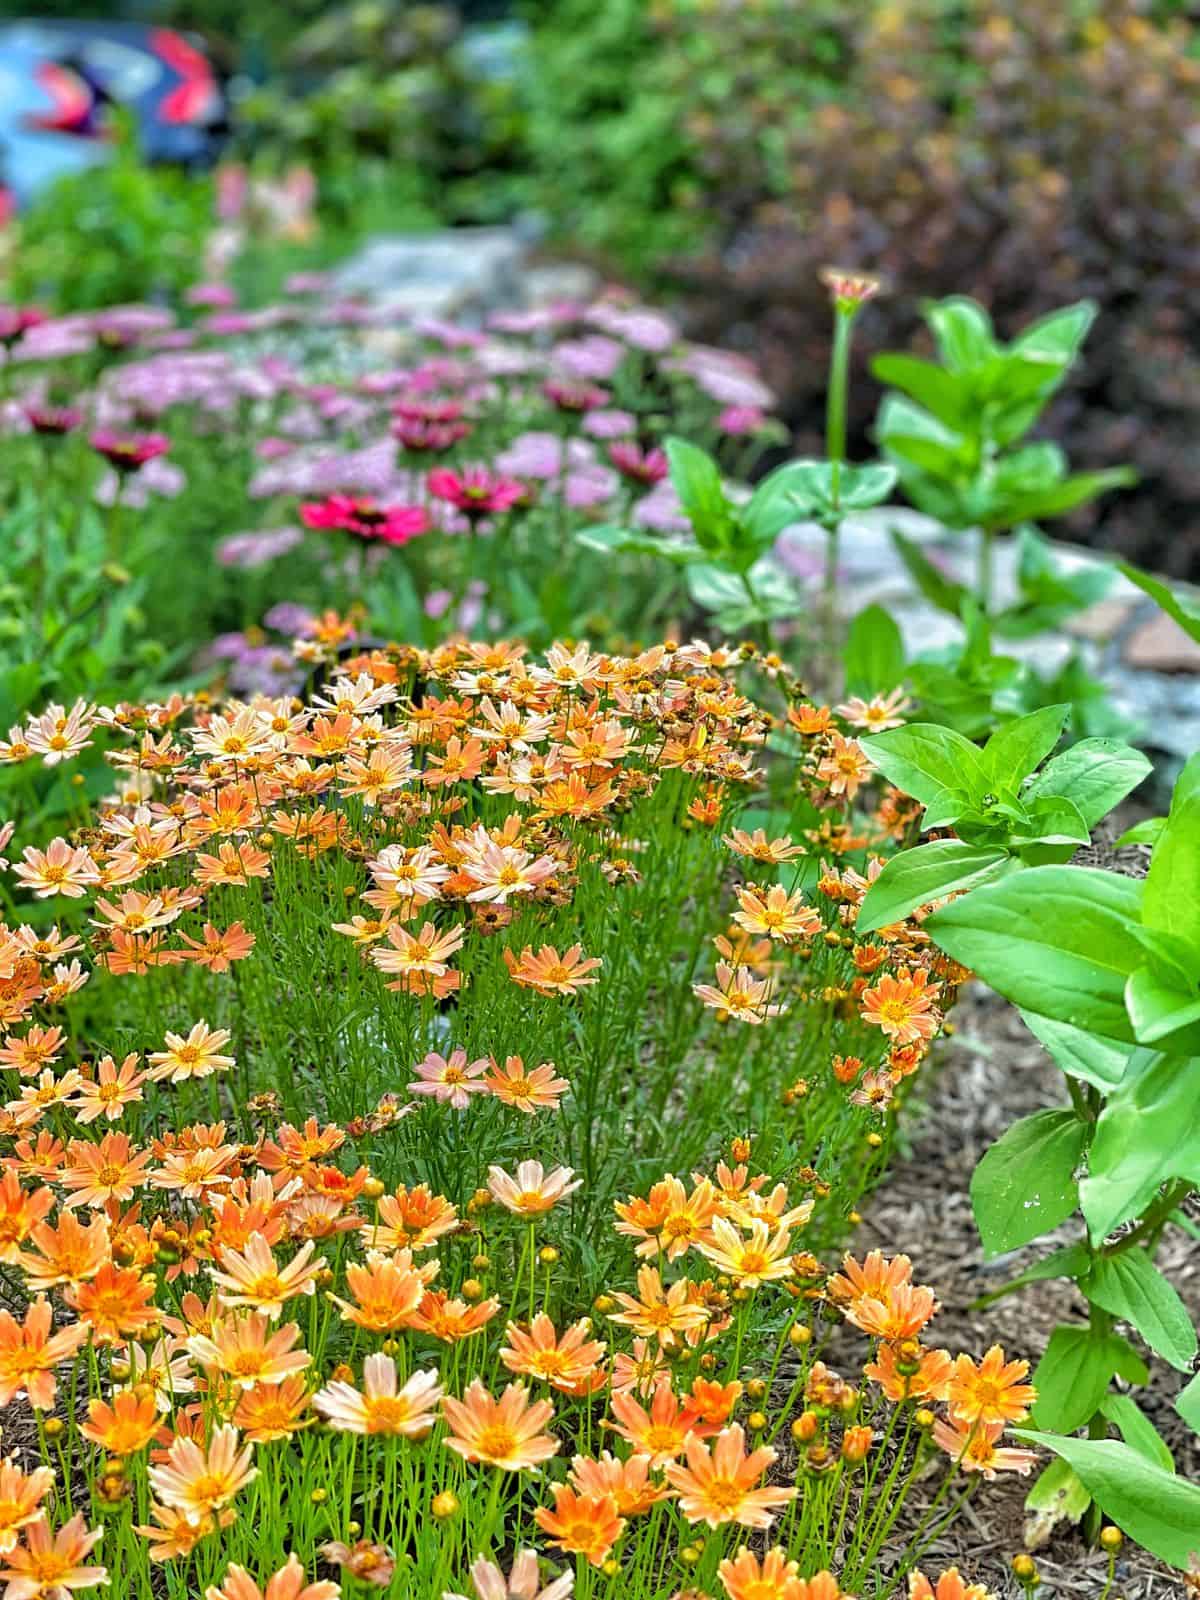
(1022, 153)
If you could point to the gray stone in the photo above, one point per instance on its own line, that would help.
(1161, 643)
(440, 274)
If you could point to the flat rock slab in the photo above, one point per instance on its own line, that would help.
(438, 274)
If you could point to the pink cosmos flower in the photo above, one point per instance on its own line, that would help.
(53, 419)
(475, 491)
(638, 465)
(574, 396)
(453, 1081)
(17, 320)
(366, 519)
(129, 452)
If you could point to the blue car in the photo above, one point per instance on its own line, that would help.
(59, 81)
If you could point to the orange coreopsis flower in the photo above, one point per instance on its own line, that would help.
(875, 1278)
(737, 993)
(758, 847)
(194, 1057)
(533, 1190)
(414, 1218)
(975, 1447)
(581, 1524)
(289, 1583)
(65, 1252)
(21, 1496)
(233, 863)
(382, 1407)
(992, 1391)
(538, 1352)
(950, 1586)
(902, 1316)
(244, 1351)
(116, 1303)
(668, 1220)
(451, 1320)
(20, 1212)
(252, 1277)
(529, 1090)
(776, 913)
(844, 767)
(59, 869)
(660, 1433)
(549, 973)
(293, 1149)
(216, 950)
(387, 1290)
(124, 1427)
(912, 1374)
(112, 1089)
(427, 952)
(657, 1312)
(718, 1485)
(459, 762)
(744, 1577)
(712, 1403)
(97, 1173)
(31, 1053)
(50, 1566)
(505, 1433)
(628, 1482)
(903, 1006)
(173, 1533)
(200, 1480)
(270, 1411)
(762, 1258)
(29, 1353)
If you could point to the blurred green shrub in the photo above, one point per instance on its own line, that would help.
(117, 232)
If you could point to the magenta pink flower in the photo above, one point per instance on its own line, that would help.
(638, 465)
(129, 452)
(432, 425)
(574, 396)
(740, 420)
(17, 320)
(475, 491)
(365, 518)
(53, 419)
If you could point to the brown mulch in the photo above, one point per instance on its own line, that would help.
(993, 1072)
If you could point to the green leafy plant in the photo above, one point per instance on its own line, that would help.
(1006, 813)
(956, 432)
(1106, 972)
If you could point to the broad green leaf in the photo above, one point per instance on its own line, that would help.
(1187, 1403)
(783, 497)
(1154, 1507)
(1053, 940)
(1138, 1432)
(925, 761)
(1069, 1261)
(697, 481)
(1181, 608)
(1080, 1054)
(938, 589)
(712, 587)
(1052, 820)
(873, 655)
(864, 486)
(1147, 832)
(915, 877)
(922, 441)
(943, 394)
(1129, 1285)
(1172, 898)
(1095, 775)
(1019, 746)
(1064, 496)
(610, 538)
(1074, 1373)
(963, 331)
(1147, 1133)
(1058, 1496)
(1025, 1184)
(1059, 336)
(1161, 1012)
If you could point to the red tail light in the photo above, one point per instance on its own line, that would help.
(73, 101)
(196, 97)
